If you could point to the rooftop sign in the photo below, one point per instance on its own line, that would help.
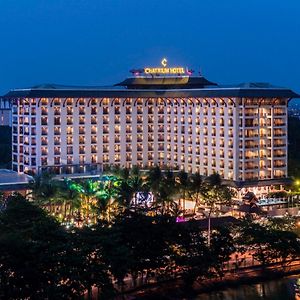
(164, 69)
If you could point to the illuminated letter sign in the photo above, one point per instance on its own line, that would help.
(164, 69)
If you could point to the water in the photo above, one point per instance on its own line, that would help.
(281, 289)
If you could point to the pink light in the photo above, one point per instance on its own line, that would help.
(180, 219)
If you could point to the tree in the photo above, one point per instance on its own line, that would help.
(195, 189)
(215, 195)
(267, 244)
(31, 245)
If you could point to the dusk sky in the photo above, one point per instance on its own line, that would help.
(96, 42)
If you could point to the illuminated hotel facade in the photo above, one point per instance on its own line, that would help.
(181, 121)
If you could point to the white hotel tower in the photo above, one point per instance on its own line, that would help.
(181, 121)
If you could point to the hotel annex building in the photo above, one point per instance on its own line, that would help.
(155, 117)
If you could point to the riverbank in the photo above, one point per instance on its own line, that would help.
(175, 289)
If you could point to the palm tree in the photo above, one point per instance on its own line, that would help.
(182, 180)
(195, 189)
(87, 190)
(44, 191)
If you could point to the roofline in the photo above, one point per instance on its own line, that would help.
(154, 93)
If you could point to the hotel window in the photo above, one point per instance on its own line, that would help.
(221, 121)
(182, 139)
(69, 140)
(44, 150)
(69, 101)
(57, 160)
(150, 119)
(128, 148)
(81, 159)
(169, 138)
(139, 128)
(69, 120)
(213, 142)
(93, 130)
(230, 122)
(150, 138)
(94, 139)
(205, 121)
(205, 142)
(213, 131)
(117, 148)
(139, 138)
(94, 159)
(197, 141)
(117, 128)
(44, 141)
(213, 122)
(93, 110)
(105, 158)
(198, 150)
(44, 130)
(44, 111)
(213, 111)
(150, 110)
(139, 147)
(182, 120)
(128, 138)
(128, 129)
(182, 129)
(69, 130)
(56, 101)
(205, 110)
(56, 150)
(44, 121)
(105, 120)
(230, 111)
(222, 111)
(128, 157)
(57, 131)
(69, 110)
(81, 110)
(105, 139)
(160, 110)
(161, 138)
(93, 120)
(128, 110)
(69, 150)
(117, 110)
(94, 149)
(105, 110)
(81, 130)
(150, 156)
(81, 120)
(81, 140)
(56, 140)
(117, 119)
(168, 119)
(140, 156)
(81, 101)
(139, 110)
(81, 149)
(105, 129)
(57, 111)
(56, 120)
(44, 161)
(139, 119)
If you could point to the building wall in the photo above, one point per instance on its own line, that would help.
(238, 138)
(5, 112)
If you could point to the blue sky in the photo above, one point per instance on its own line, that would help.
(96, 42)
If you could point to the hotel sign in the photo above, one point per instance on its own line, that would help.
(164, 69)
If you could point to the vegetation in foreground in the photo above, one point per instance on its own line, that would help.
(39, 258)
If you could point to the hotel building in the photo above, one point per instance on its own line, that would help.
(181, 121)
